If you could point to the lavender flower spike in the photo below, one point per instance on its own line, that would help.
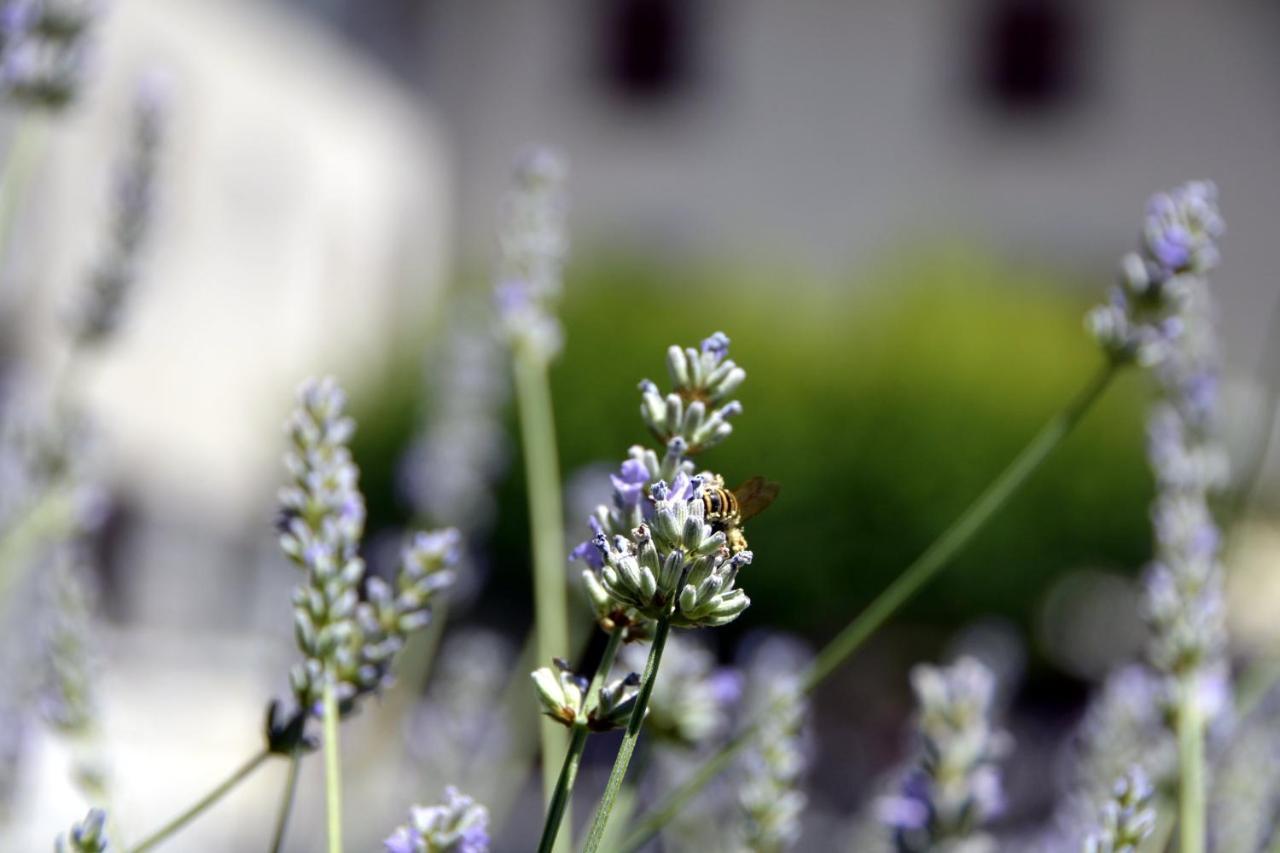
(87, 836)
(696, 410)
(131, 213)
(1127, 818)
(1184, 596)
(676, 556)
(770, 795)
(955, 786)
(1143, 315)
(532, 243)
(322, 521)
(459, 825)
(44, 48)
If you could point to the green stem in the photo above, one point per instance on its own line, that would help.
(577, 743)
(286, 805)
(546, 526)
(596, 835)
(1191, 801)
(332, 766)
(907, 584)
(205, 802)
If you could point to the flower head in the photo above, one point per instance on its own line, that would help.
(532, 243)
(563, 696)
(87, 836)
(459, 825)
(1128, 817)
(341, 634)
(697, 410)
(1144, 314)
(1182, 228)
(676, 562)
(770, 793)
(44, 49)
(955, 786)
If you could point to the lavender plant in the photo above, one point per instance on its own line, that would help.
(1141, 323)
(1161, 314)
(348, 644)
(44, 50)
(69, 702)
(770, 795)
(1128, 817)
(133, 201)
(954, 788)
(668, 562)
(348, 627)
(86, 836)
(459, 825)
(532, 245)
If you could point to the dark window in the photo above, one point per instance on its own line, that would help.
(1030, 54)
(646, 48)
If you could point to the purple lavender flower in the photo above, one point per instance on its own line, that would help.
(459, 825)
(717, 346)
(532, 244)
(955, 785)
(1128, 817)
(1144, 316)
(44, 50)
(629, 484)
(1182, 228)
(87, 836)
(322, 516)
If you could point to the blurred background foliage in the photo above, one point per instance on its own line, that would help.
(883, 407)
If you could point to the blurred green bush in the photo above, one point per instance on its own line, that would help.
(883, 408)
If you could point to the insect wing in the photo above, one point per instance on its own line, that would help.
(754, 496)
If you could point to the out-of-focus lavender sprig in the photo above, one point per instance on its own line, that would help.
(45, 48)
(133, 200)
(86, 836)
(954, 789)
(1127, 818)
(532, 244)
(448, 473)
(322, 520)
(1179, 243)
(458, 825)
(68, 700)
(1183, 601)
(770, 794)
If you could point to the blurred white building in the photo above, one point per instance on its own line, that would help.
(302, 220)
(824, 132)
